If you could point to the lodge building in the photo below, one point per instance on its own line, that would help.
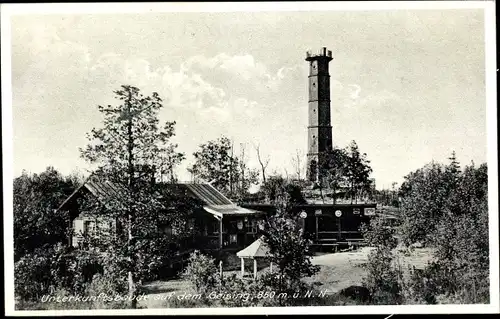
(219, 223)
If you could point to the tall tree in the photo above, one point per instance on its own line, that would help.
(297, 162)
(247, 176)
(447, 209)
(216, 163)
(127, 151)
(358, 170)
(334, 171)
(288, 248)
(262, 162)
(36, 197)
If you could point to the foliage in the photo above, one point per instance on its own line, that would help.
(132, 136)
(83, 265)
(333, 169)
(216, 163)
(202, 272)
(56, 270)
(130, 151)
(36, 223)
(112, 288)
(345, 171)
(289, 250)
(358, 171)
(446, 208)
(236, 292)
(423, 196)
(379, 234)
(33, 276)
(274, 185)
(382, 280)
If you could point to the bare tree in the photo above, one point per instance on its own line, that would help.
(298, 163)
(263, 163)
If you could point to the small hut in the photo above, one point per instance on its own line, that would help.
(257, 250)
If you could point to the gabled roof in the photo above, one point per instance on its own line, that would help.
(256, 249)
(106, 192)
(208, 194)
(215, 202)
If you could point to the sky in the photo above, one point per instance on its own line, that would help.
(407, 86)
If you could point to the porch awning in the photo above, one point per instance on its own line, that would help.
(257, 249)
(233, 210)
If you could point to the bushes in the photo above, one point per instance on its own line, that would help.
(448, 209)
(202, 272)
(109, 286)
(33, 276)
(383, 280)
(83, 267)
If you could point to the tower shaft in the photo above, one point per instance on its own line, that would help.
(319, 125)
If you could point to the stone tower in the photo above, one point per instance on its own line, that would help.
(319, 127)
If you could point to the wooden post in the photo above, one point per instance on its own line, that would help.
(70, 235)
(254, 268)
(220, 269)
(340, 229)
(220, 233)
(316, 227)
(242, 267)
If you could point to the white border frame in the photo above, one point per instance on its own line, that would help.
(7, 10)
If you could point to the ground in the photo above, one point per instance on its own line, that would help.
(337, 271)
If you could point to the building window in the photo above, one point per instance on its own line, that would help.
(88, 227)
(213, 227)
(167, 230)
(233, 239)
(251, 226)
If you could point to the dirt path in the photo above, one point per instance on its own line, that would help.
(337, 271)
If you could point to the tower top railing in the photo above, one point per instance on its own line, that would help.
(322, 52)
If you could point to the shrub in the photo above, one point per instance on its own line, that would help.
(84, 266)
(202, 272)
(33, 277)
(236, 292)
(382, 280)
(42, 272)
(107, 292)
(356, 293)
(448, 209)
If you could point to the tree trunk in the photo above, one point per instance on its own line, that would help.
(231, 168)
(352, 191)
(334, 195)
(130, 148)
(321, 193)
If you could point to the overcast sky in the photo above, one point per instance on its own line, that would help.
(407, 86)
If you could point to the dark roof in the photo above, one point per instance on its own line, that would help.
(215, 202)
(208, 194)
(106, 192)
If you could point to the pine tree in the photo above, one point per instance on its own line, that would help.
(127, 150)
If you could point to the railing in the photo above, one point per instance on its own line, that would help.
(322, 52)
